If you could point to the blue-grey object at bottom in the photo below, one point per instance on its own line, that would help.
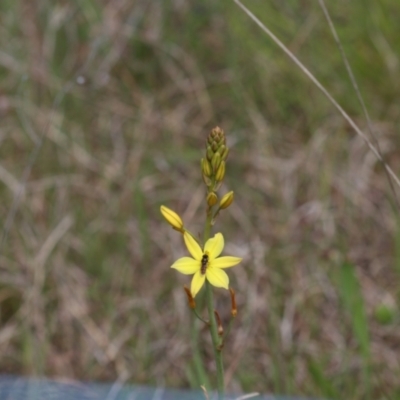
(21, 388)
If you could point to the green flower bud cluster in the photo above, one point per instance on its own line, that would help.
(213, 167)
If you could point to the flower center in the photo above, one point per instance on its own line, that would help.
(204, 264)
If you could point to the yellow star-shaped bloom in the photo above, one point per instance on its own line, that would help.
(205, 264)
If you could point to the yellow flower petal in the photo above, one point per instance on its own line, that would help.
(193, 246)
(197, 283)
(214, 246)
(214, 272)
(225, 262)
(186, 265)
(217, 277)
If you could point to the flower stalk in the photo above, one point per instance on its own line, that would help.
(205, 264)
(213, 324)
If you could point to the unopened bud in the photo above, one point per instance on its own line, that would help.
(206, 167)
(219, 175)
(224, 154)
(212, 199)
(217, 132)
(192, 303)
(209, 153)
(216, 161)
(226, 200)
(172, 218)
(207, 180)
(233, 303)
(219, 324)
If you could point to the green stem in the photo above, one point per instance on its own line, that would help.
(207, 228)
(213, 323)
(202, 377)
(216, 341)
(198, 316)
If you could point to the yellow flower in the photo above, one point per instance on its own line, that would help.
(172, 218)
(205, 264)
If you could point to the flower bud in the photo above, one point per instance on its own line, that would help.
(207, 180)
(216, 161)
(172, 218)
(210, 153)
(206, 167)
(226, 200)
(217, 132)
(224, 154)
(219, 175)
(212, 199)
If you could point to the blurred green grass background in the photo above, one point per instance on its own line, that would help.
(109, 103)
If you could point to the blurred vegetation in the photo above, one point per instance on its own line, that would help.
(105, 106)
